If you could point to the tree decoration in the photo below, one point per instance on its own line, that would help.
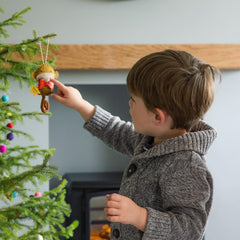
(38, 194)
(10, 125)
(15, 194)
(5, 98)
(43, 75)
(10, 136)
(3, 148)
(23, 217)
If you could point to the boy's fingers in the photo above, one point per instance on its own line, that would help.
(113, 218)
(115, 197)
(58, 98)
(112, 204)
(57, 83)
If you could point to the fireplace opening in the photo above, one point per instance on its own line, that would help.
(86, 194)
(99, 226)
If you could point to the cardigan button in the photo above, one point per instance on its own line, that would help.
(116, 233)
(132, 169)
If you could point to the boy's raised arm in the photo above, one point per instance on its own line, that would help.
(72, 98)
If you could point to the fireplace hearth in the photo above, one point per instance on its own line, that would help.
(86, 196)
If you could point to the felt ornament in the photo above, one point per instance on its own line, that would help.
(3, 148)
(38, 194)
(10, 136)
(5, 98)
(10, 125)
(15, 194)
(43, 74)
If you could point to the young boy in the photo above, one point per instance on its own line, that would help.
(166, 191)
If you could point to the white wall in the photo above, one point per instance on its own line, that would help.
(156, 21)
(223, 159)
(132, 21)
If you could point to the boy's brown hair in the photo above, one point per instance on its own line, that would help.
(175, 82)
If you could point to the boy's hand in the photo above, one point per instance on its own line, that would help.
(122, 209)
(72, 98)
(68, 96)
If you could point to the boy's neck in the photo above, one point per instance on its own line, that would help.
(170, 134)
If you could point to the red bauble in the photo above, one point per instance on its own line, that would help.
(10, 125)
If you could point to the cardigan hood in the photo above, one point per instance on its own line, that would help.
(198, 140)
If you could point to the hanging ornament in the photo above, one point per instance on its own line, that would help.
(3, 148)
(15, 194)
(10, 125)
(10, 136)
(38, 194)
(43, 75)
(5, 98)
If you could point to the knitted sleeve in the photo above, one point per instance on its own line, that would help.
(117, 134)
(187, 197)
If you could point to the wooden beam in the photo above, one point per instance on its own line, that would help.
(123, 56)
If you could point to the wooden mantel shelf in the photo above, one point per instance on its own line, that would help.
(123, 56)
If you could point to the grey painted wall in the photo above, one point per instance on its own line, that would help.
(76, 149)
(140, 21)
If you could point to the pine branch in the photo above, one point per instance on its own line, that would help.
(21, 69)
(35, 115)
(6, 130)
(18, 154)
(21, 47)
(48, 210)
(11, 111)
(17, 166)
(42, 172)
(14, 21)
(16, 18)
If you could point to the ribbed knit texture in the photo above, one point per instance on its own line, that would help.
(170, 180)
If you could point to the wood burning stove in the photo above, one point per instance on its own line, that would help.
(83, 189)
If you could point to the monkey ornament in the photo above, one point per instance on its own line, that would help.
(43, 75)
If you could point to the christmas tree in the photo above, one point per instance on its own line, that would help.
(25, 212)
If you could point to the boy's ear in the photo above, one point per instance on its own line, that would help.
(160, 116)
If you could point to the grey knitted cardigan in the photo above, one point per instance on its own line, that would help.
(170, 180)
